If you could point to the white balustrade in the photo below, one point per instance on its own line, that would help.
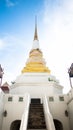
(48, 116)
(24, 120)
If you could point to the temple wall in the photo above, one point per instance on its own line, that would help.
(36, 84)
(1, 108)
(36, 90)
(15, 109)
(14, 106)
(58, 108)
(70, 108)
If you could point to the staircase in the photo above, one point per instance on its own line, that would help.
(36, 119)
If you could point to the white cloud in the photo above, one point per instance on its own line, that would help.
(1, 43)
(11, 56)
(6, 41)
(11, 3)
(58, 22)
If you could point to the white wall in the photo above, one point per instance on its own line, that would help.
(70, 107)
(34, 83)
(38, 90)
(14, 110)
(57, 109)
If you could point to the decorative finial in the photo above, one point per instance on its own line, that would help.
(35, 34)
(1, 74)
(1, 71)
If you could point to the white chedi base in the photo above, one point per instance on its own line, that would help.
(36, 84)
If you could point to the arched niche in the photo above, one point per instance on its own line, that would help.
(58, 124)
(15, 125)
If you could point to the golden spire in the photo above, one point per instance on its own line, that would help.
(35, 34)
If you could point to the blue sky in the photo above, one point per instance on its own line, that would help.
(55, 30)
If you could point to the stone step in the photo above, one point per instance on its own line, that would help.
(40, 104)
(42, 123)
(36, 126)
(36, 129)
(32, 107)
(36, 112)
(36, 108)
